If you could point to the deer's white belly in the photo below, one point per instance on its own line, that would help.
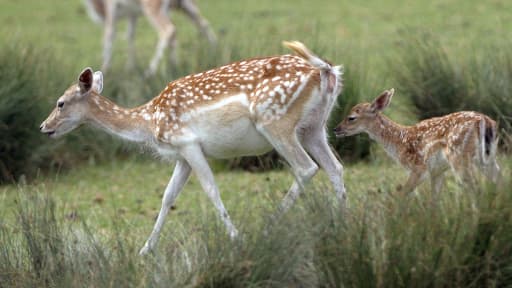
(226, 130)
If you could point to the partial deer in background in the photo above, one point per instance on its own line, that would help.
(108, 12)
(243, 108)
(462, 141)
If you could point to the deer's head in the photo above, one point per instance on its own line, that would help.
(72, 107)
(363, 114)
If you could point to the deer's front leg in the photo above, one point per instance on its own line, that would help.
(196, 159)
(413, 181)
(178, 180)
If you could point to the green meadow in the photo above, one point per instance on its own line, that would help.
(74, 212)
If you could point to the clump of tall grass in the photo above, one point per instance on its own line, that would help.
(425, 72)
(380, 240)
(465, 240)
(490, 75)
(20, 106)
(31, 80)
(439, 81)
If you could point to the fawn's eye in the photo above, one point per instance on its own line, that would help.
(60, 104)
(351, 118)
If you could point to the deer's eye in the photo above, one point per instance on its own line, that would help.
(60, 104)
(351, 118)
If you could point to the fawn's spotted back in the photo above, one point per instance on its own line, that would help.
(460, 141)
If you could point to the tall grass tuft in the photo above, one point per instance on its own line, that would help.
(490, 75)
(385, 241)
(425, 72)
(439, 81)
(31, 80)
(24, 82)
(464, 239)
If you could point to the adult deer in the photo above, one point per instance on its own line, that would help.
(108, 12)
(243, 108)
(460, 141)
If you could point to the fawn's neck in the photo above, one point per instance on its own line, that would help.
(389, 134)
(130, 124)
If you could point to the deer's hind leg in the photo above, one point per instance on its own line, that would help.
(290, 148)
(493, 171)
(316, 145)
(192, 11)
(159, 19)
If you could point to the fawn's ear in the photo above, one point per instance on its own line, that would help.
(85, 80)
(97, 82)
(382, 101)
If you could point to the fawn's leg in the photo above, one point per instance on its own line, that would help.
(415, 179)
(436, 183)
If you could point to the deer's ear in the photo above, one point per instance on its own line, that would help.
(85, 80)
(382, 101)
(97, 82)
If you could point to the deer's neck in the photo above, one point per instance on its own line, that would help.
(130, 124)
(389, 134)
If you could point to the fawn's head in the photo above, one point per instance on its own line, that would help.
(72, 107)
(363, 114)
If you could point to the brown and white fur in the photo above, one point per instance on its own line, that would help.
(461, 141)
(108, 12)
(243, 108)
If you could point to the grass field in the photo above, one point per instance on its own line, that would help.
(83, 226)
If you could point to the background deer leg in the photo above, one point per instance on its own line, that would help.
(166, 37)
(192, 11)
(179, 178)
(109, 35)
(196, 159)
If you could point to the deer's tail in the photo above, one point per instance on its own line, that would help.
(488, 140)
(330, 75)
